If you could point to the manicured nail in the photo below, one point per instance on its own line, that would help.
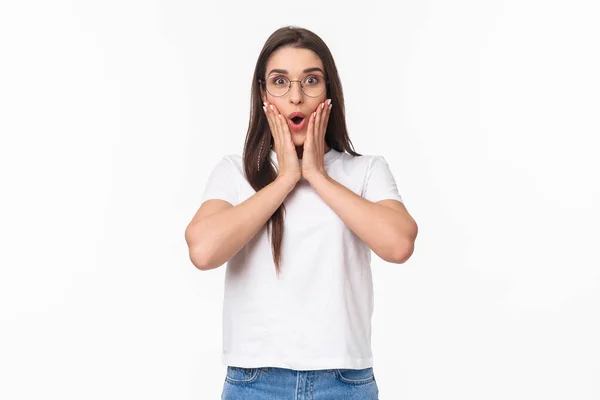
(272, 107)
(322, 105)
(265, 108)
(328, 101)
(331, 105)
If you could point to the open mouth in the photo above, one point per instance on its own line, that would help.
(297, 123)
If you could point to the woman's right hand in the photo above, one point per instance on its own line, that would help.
(287, 158)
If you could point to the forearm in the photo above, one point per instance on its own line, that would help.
(386, 231)
(217, 237)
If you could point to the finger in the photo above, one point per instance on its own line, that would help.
(318, 119)
(270, 122)
(311, 126)
(319, 123)
(326, 118)
(268, 116)
(276, 121)
(275, 127)
(285, 131)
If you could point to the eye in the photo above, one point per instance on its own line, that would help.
(312, 80)
(280, 80)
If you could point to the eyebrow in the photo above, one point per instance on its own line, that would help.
(285, 71)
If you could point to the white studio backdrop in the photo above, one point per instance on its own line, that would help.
(113, 113)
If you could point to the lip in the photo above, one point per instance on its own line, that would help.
(296, 114)
(294, 127)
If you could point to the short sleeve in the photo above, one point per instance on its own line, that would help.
(379, 182)
(221, 183)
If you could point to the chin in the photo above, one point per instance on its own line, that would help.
(298, 139)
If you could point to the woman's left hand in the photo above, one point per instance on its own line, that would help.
(314, 145)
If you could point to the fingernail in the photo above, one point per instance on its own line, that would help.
(322, 105)
(328, 101)
(265, 108)
(272, 107)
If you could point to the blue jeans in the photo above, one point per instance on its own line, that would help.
(271, 383)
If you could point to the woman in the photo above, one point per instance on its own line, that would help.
(298, 301)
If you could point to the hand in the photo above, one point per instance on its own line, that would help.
(287, 158)
(314, 144)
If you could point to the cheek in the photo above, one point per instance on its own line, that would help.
(276, 102)
(318, 104)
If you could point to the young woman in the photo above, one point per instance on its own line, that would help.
(298, 300)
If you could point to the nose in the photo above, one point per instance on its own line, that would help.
(296, 93)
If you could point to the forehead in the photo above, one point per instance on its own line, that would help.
(293, 60)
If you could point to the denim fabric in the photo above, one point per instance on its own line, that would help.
(271, 383)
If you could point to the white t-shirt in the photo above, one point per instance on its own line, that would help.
(317, 313)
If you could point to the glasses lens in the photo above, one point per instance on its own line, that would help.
(277, 85)
(313, 85)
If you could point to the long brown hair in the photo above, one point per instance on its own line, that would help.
(260, 173)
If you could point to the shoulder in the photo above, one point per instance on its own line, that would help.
(364, 162)
(236, 162)
(229, 164)
(232, 159)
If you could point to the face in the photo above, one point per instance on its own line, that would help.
(294, 61)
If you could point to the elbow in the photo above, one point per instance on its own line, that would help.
(399, 249)
(199, 260)
(197, 255)
(404, 251)
(407, 248)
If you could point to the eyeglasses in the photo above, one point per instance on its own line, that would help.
(278, 85)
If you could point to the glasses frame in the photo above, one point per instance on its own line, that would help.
(264, 84)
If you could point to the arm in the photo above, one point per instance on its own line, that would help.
(385, 226)
(215, 237)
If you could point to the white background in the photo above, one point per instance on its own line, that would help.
(113, 113)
